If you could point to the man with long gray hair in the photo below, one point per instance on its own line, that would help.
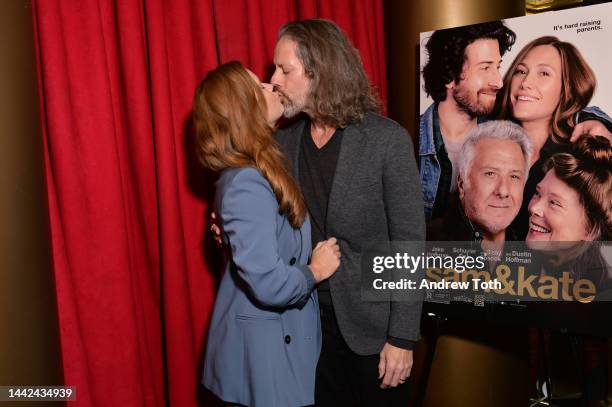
(359, 178)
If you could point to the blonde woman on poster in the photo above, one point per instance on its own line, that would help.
(546, 90)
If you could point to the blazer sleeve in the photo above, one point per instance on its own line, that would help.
(248, 212)
(406, 222)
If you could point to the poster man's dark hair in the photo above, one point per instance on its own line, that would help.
(446, 50)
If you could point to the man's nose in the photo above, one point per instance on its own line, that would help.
(275, 80)
(502, 190)
(496, 81)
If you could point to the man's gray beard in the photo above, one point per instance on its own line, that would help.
(291, 110)
(472, 109)
(493, 228)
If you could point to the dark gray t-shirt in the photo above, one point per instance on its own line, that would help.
(317, 167)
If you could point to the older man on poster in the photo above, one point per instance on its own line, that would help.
(493, 167)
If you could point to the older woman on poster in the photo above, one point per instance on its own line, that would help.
(264, 338)
(547, 90)
(573, 203)
(571, 208)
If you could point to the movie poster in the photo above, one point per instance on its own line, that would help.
(515, 158)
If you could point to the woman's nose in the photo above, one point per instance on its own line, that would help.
(527, 82)
(535, 206)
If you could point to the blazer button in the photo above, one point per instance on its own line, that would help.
(287, 339)
(292, 261)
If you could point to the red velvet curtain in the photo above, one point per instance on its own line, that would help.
(134, 269)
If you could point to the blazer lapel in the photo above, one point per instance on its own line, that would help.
(351, 151)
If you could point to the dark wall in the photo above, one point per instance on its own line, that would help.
(29, 340)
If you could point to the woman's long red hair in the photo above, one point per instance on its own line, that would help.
(229, 115)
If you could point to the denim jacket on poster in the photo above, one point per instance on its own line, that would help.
(429, 165)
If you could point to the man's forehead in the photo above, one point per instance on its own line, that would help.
(495, 145)
(482, 50)
(285, 50)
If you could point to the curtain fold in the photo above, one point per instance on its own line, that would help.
(134, 267)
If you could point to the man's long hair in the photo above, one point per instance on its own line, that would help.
(341, 92)
(231, 131)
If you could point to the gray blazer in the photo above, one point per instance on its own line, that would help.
(265, 334)
(375, 197)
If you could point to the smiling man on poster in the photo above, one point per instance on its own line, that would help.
(462, 77)
(493, 167)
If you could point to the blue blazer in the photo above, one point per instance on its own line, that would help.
(265, 334)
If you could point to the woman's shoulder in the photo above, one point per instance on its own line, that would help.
(240, 174)
(243, 180)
